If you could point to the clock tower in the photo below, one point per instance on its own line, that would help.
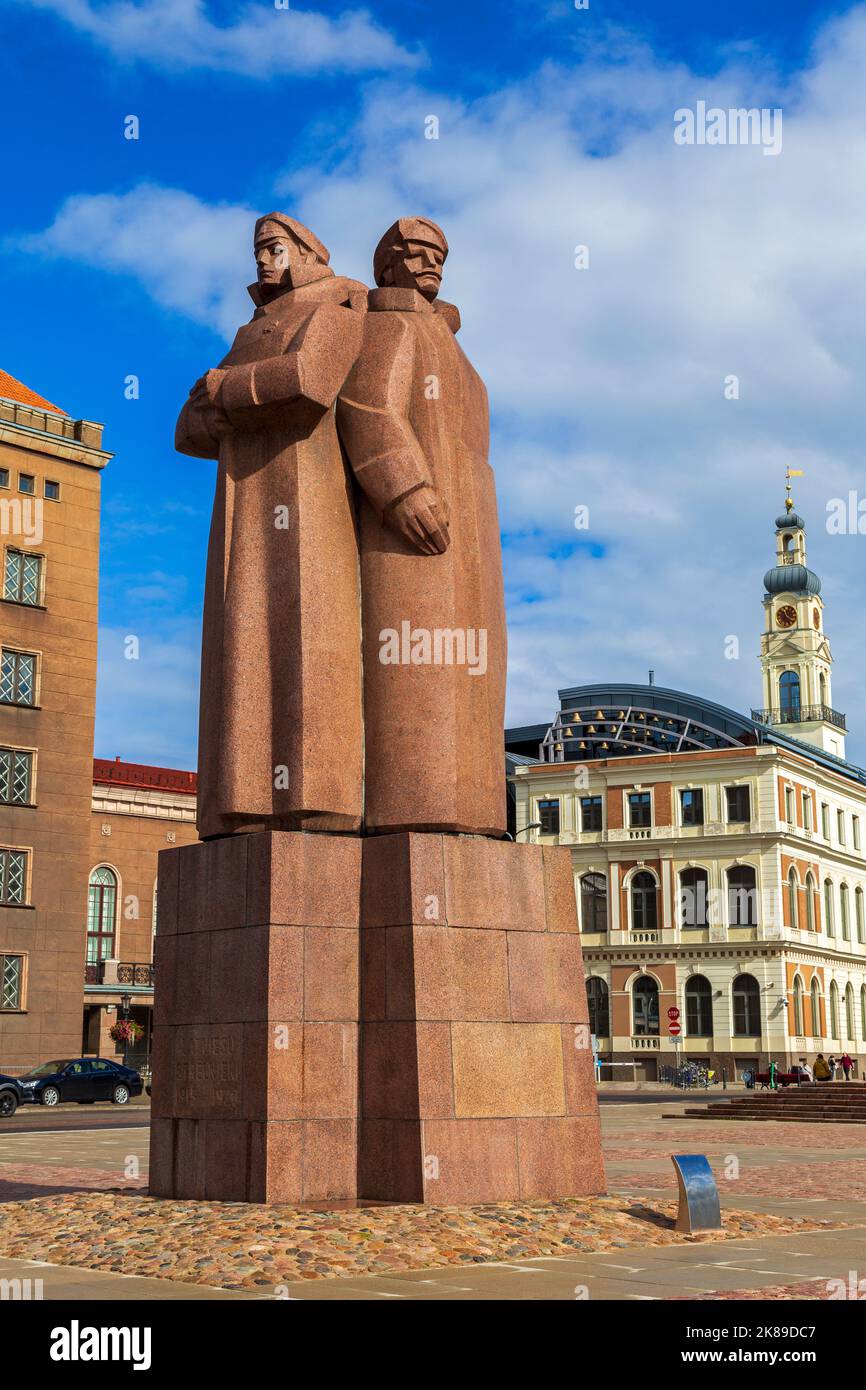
(795, 654)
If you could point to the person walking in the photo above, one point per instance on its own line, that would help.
(847, 1066)
(821, 1069)
(831, 1063)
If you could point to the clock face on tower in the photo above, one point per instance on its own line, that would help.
(786, 616)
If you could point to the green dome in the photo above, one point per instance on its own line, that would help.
(791, 579)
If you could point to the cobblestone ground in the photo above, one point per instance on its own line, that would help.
(234, 1245)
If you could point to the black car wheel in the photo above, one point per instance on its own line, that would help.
(8, 1104)
(50, 1096)
(121, 1094)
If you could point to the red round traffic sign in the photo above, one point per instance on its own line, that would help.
(674, 1029)
(673, 1013)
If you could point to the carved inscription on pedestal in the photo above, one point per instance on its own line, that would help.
(207, 1074)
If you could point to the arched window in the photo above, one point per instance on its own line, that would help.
(593, 902)
(815, 995)
(834, 1011)
(101, 915)
(849, 1012)
(598, 998)
(747, 1007)
(694, 893)
(789, 694)
(644, 902)
(798, 1007)
(810, 903)
(829, 924)
(858, 913)
(742, 896)
(822, 685)
(699, 1007)
(844, 916)
(792, 897)
(645, 1006)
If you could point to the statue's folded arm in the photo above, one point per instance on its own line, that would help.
(312, 369)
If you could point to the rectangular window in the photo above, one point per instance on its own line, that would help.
(10, 982)
(548, 814)
(590, 813)
(825, 820)
(16, 777)
(840, 826)
(693, 806)
(789, 805)
(22, 581)
(4, 477)
(26, 483)
(52, 490)
(739, 804)
(17, 677)
(807, 811)
(639, 810)
(855, 831)
(13, 876)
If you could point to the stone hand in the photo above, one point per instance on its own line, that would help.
(421, 518)
(207, 388)
(205, 395)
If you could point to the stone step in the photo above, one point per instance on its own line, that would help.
(789, 1119)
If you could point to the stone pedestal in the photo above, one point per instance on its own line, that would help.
(449, 965)
(255, 1050)
(476, 1069)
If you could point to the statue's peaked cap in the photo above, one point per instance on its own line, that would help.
(301, 233)
(405, 229)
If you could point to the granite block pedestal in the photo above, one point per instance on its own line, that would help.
(399, 1018)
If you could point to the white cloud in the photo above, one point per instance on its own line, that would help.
(190, 256)
(607, 384)
(263, 42)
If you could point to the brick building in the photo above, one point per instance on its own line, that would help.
(78, 839)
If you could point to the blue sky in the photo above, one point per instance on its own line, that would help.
(130, 257)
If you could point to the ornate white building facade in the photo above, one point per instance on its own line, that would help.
(719, 860)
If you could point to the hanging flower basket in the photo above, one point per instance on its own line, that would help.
(126, 1030)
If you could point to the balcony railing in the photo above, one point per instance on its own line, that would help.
(120, 973)
(801, 714)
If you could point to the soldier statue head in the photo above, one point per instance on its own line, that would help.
(287, 254)
(410, 256)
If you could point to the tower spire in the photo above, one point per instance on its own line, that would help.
(795, 655)
(789, 474)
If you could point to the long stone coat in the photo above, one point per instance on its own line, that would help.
(414, 411)
(280, 740)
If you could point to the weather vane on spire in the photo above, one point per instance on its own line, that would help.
(789, 474)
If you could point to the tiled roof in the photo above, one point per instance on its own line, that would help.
(13, 390)
(143, 777)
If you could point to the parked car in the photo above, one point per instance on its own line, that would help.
(80, 1079)
(11, 1096)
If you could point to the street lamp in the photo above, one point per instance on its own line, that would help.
(534, 825)
(125, 1001)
